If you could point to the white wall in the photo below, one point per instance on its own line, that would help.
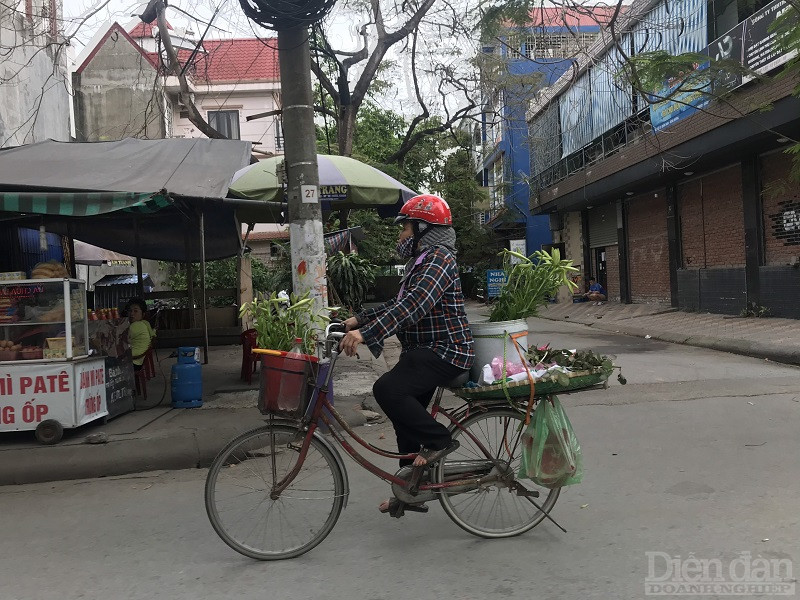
(248, 103)
(34, 99)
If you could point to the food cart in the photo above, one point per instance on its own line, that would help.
(49, 380)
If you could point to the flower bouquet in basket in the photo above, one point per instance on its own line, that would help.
(286, 378)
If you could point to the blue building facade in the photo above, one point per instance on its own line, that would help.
(534, 59)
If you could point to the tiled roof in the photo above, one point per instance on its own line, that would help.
(238, 60)
(144, 30)
(574, 16)
(260, 236)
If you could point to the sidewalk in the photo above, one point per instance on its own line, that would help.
(771, 338)
(165, 438)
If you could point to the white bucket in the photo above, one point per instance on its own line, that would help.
(492, 338)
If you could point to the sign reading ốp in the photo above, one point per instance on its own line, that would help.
(71, 394)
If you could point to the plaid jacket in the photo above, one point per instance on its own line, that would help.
(429, 314)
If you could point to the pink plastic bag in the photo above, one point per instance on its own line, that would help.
(511, 368)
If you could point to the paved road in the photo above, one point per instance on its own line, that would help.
(702, 461)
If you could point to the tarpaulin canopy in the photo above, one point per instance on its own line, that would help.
(138, 197)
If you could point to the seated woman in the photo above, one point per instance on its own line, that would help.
(140, 334)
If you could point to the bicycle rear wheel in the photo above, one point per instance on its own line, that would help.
(241, 478)
(493, 510)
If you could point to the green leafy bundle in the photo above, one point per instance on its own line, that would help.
(578, 361)
(530, 283)
(278, 321)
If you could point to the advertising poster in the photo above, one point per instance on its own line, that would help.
(686, 95)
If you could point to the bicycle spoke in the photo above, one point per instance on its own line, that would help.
(493, 510)
(239, 502)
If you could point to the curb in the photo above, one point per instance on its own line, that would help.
(178, 447)
(741, 347)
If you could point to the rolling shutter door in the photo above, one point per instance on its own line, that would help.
(603, 226)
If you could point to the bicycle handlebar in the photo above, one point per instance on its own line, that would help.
(335, 330)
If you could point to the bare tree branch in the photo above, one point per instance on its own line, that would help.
(174, 66)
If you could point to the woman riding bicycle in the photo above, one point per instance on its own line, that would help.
(429, 319)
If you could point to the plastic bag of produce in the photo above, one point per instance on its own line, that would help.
(551, 454)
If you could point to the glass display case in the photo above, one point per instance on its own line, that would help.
(43, 319)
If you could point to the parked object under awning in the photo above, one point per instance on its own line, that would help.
(86, 254)
(114, 291)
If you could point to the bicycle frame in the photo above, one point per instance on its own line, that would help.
(320, 403)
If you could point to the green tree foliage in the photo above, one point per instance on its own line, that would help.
(222, 274)
(477, 246)
(379, 134)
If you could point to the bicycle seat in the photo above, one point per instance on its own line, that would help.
(458, 381)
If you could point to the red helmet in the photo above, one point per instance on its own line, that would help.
(426, 207)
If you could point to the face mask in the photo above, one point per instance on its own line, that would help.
(405, 249)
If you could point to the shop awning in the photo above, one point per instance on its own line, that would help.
(137, 197)
(129, 171)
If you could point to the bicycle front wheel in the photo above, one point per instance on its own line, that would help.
(494, 510)
(258, 523)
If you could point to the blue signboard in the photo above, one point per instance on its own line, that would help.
(495, 280)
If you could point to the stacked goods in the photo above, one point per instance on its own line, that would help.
(55, 314)
(56, 347)
(76, 305)
(103, 314)
(30, 353)
(9, 350)
(551, 370)
(9, 312)
(51, 269)
(12, 276)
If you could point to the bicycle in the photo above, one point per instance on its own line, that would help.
(276, 492)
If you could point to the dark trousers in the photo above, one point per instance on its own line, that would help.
(404, 394)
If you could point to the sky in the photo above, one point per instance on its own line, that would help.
(84, 17)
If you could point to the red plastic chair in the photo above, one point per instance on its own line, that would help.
(249, 360)
(147, 372)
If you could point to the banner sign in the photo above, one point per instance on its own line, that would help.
(72, 394)
(682, 102)
(752, 44)
(761, 50)
(495, 280)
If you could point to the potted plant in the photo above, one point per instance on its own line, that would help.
(280, 319)
(530, 283)
(349, 279)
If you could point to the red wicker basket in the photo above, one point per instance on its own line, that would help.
(286, 383)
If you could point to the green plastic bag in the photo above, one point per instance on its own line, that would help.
(551, 454)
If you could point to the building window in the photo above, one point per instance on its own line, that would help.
(226, 122)
(278, 135)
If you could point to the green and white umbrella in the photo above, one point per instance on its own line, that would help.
(344, 182)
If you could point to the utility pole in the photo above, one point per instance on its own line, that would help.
(300, 160)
